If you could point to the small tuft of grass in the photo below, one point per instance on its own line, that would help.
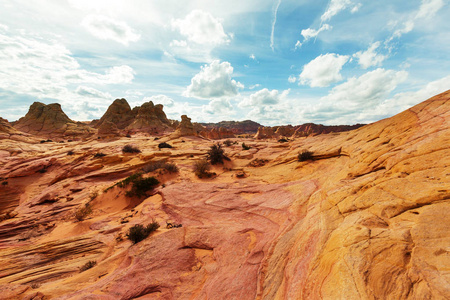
(305, 155)
(89, 265)
(83, 212)
(138, 232)
(70, 152)
(161, 164)
(130, 149)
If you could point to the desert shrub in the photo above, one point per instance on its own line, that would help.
(201, 168)
(128, 136)
(70, 152)
(305, 155)
(129, 180)
(138, 232)
(93, 195)
(43, 170)
(153, 166)
(90, 264)
(164, 145)
(245, 147)
(5, 183)
(141, 186)
(228, 143)
(83, 212)
(283, 140)
(216, 155)
(171, 167)
(99, 155)
(130, 149)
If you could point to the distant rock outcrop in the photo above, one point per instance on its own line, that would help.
(264, 133)
(6, 129)
(237, 127)
(118, 113)
(314, 129)
(287, 130)
(50, 121)
(108, 129)
(217, 133)
(150, 118)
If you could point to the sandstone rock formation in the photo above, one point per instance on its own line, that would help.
(314, 129)
(118, 113)
(286, 131)
(185, 128)
(6, 129)
(150, 118)
(367, 218)
(50, 121)
(108, 129)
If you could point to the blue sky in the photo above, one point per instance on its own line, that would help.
(275, 62)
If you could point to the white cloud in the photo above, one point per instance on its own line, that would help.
(370, 57)
(90, 92)
(298, 45)
(292, 79)
(252, 56)
(213, 81)
(323, 70)
(252, 87)
(336, 6)
(199, 34)
(356, 99)
(274, 22)
(3, 27)
(429, 8)
(218, 107)
(202, 28)
(106, 28)
(45, 69)
(264, 97)
(311, 33)
(161, 99)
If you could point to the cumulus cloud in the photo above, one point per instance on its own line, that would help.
(292, 79)
(161, 99)
(323, 70)
(298, 45)
(45, 69)
(202, 28)
(199, 33)
(264, 97)
(311, 33)
(429, 8)
(336, 6)
(106, 28)
(213, 81)
(218, 107)
(370, 57)
(351, 101)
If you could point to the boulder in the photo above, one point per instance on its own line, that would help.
(149, 118)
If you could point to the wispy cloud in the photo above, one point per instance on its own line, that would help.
(274, 22)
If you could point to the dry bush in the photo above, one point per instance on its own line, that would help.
(305, 155)
(130, 149)
(83, 212)
(138, 232)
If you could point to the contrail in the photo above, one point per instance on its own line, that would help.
(274, 21)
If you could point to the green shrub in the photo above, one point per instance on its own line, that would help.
(90, 264)
(216, 155)
(82, 213)
(130, 149)
(138, 232)
(305, 155)
(129, 180)
(245, 147)
(141, 186)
